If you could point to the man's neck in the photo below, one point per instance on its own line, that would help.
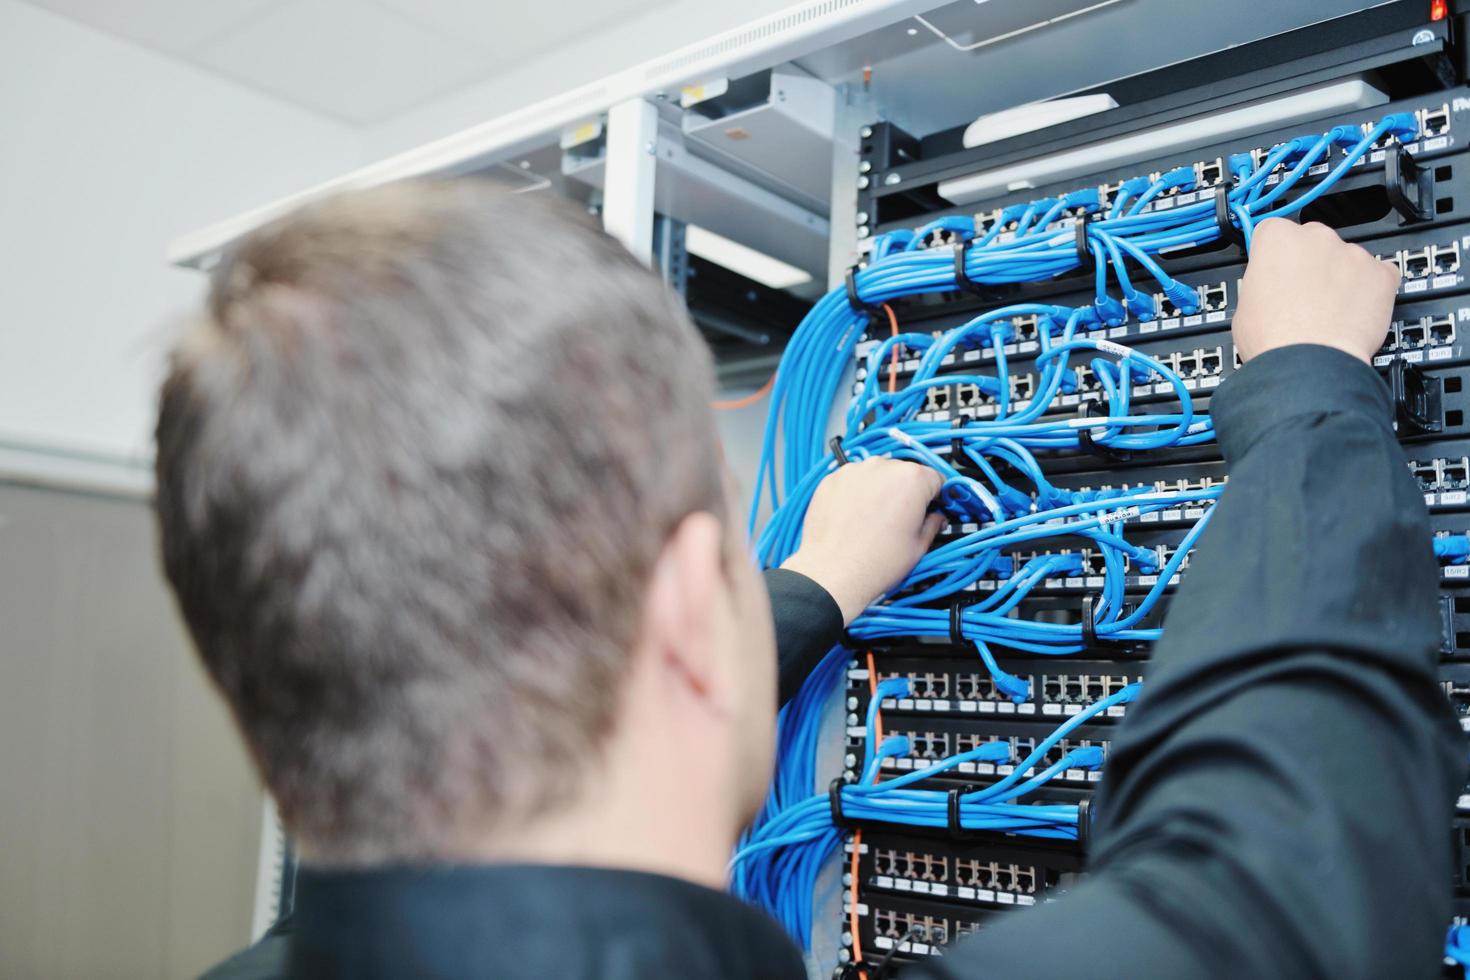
(661, 812)
(607, 835)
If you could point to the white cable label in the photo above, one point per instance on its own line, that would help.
(1111, 347)
(1121, 514)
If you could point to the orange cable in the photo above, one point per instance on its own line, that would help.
(857, 835)
(749, 399)
(852, 905)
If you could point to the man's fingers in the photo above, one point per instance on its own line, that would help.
(933, 482)
(930, 528)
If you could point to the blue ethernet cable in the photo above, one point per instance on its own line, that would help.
(1457, 946)
(777, 863)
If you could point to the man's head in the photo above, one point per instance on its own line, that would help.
(441, 498)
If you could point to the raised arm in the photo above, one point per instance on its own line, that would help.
(867, 526)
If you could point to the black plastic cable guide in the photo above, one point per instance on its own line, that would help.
(1084, 825)
(1084, 434)
(1410, 187)
(834, 798)
(957, 443)
(956, 827)
(962, 280)
(1418, 400)
(841, 454)
(858, 304)
(957, 624)
(1084, 248)
(1089, 628)
(1229, 230)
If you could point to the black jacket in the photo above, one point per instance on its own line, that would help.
(1275, 805)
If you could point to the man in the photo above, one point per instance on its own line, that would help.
(440, 496)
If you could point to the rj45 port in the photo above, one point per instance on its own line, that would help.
(1415, 264)
(1441, 329)
(1446, 258)
(1434, 122)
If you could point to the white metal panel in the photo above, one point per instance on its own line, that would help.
(788, 135)
(627, 200)
(692, 189)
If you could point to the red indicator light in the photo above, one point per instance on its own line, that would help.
(1438, 10)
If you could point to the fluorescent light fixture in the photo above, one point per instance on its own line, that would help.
(997, 126)
(1299, 106)
(739, 258)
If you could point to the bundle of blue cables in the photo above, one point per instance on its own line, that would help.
(778, 862)
(1457, 946)
(995, 493)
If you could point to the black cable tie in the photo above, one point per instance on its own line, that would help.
(1090, 636)
(834, 796)
(1084, 825)
(957, 625)
(962, 280)
(1084, 433)
(957, 443)
(1229, 230)
(854, 300)
(1084, 247)
(956, 827)
(1089, 630)
(836, 446)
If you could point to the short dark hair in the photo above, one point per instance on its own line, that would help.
(414, 468)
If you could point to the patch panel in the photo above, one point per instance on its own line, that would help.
(912, 884)
(913, 932)
(937, 738)
(1430, 262)
(1208, 174)
(1442, 470)
(945, 685)
(1426, 327)
(979, 878)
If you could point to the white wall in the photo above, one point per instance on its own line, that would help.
(128, 812)
(106, 152)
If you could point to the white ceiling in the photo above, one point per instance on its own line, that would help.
(359, 61)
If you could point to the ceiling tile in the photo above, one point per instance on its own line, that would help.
(357, 61)
(168, 25)
(517, 32)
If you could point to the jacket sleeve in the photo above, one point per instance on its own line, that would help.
(1276, 803)
(808, 624)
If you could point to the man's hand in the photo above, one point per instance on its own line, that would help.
(866, 528)
(1304, 285)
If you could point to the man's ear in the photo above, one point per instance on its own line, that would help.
(680, 609)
